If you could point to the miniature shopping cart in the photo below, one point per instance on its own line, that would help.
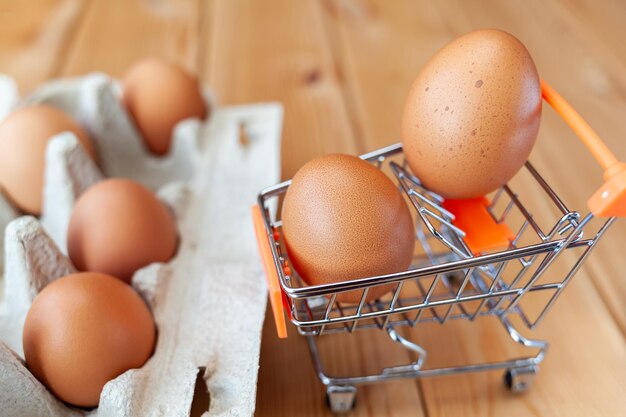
(479, 257)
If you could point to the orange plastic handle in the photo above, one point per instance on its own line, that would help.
(482, 232)
(271, 275)
(610, 199)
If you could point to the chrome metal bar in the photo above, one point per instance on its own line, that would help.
(327, 289)
(519, 234)
(327, 311)
(551, 257)
(440, 209)
(420, 306)
(517, 337)
(518, 276)
(489, 285)
(401, 174)
(524, 212)
(419, 314)
(506, 211)
(494, 282)
(575, 269)
(443, 221)
(466, 279)
(386, 151)
(414, 347)
(569, 220)
(495, 200)
(415, 369)
(553, 196)
(392, 303)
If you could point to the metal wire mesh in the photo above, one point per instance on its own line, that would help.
(446, 280)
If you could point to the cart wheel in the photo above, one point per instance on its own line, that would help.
(341, 398)
(520, 379)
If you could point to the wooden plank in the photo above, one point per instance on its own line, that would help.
(601, 22)
(116, 33)
(379, 68)
(595, 84)
(288, 385)
(342, 73)
(278, 51)
(579, 366)
(418, 30)
(596, 25)
(35, 38)
(583, 373)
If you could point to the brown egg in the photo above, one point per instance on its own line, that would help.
(84, 330)
(119, 226)
(472, 115)
(344, 219)
(24, 135)
(158, 94)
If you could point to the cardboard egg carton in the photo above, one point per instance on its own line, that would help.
(208, 302)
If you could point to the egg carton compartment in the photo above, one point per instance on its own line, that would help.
(208, 181)
(94, 101)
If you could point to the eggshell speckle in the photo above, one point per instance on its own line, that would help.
(24, 135)
(344, 219)
(83, 330)
(158, 94)
(119, 226)
(472, 115)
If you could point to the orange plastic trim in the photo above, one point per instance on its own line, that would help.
(482, 232)
(271, 275)
(610, 199)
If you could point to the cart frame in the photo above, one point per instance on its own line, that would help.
(447, 281)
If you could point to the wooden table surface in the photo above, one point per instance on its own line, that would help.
(342, 69)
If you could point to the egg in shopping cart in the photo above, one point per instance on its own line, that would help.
(344, 219)
(472, 115)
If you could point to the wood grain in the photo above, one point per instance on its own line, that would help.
(116, 33)
(262, 53)
(364, 32)
(394, 41)
(582, 69)
(35, 38)
(342, 68)
(596, 25)
(279, 52)
(288, 385)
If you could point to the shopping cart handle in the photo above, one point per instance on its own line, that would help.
(610, 199)
(271, 275)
